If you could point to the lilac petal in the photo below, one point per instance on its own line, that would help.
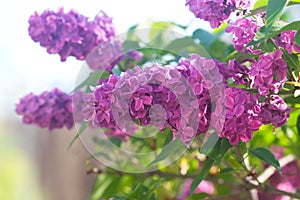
(138, 104)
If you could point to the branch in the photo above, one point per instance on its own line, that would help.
(269, 189)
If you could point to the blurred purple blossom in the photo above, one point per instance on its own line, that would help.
(70, 34)
(215, 11)
(51, 109)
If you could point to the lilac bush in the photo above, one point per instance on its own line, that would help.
(228, 111)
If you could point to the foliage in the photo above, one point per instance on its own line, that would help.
(261, 74)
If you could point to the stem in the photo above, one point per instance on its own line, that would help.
(269, 189)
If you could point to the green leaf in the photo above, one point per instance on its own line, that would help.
(102, 182)
(277, 28)
(274, 11)
(115, 141)
(204, 36)
(297, 37)
(267, 156)
(261, 6)
(112, 188)
(219, 150)
(79, 132)
(129, 45)
(92, 79)
(209, 144)
(226, 170)
(169, 136)
(201, 195)
(298, 124)
(260, 3)
(172, 147)
(292, 100)
(202, 175)
(185, 46)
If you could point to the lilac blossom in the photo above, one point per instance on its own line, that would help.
(51, 109)
(215, 11)
(70, 34)
(242, 116)
(286, 41)
(269, 73)
(205, 186)
(239, 72)
(243, 31)
(274, 111)
(98, 107)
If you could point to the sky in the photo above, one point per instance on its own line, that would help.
(26, 67)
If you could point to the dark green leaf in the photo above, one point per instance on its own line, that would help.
(209, 144)
(202, 175)
(92, 79)
(115, 141)
(261, 6)
(205, 37)
(172, 147)
(292, 100)
(112, 188)
(298, 124)
(185, 46)
(79, 132)
(102, 182)
(219, 150)
(275, 30)
(274, 11)
(169, 136)
(201, 195)
(267, 156)
(226, 170)
(297, 37)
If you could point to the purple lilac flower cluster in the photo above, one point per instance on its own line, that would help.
(51, 109)
(181, 92)
(97, 107)
(215, 11)
(274, 111)
(242, 115)
(70, 34)
(243, 31)
(138, 91)
(269, 73)
(286, 41)
(239, 72)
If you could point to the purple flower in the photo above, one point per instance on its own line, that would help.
(205, 186)
(238, 71)
(51, 109)
(215, 11)
(70, 34)
(286, 41)
(269, 73)
(243, 31)
(241, 116)
(274, 111)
